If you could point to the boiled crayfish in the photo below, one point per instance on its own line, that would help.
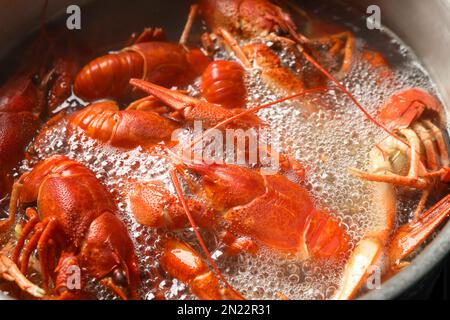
(261, 19)
(248, 202)
(416, 157)
(71, 220)
(27, 96)
(74, 225)
(149, 58)
(122, 128)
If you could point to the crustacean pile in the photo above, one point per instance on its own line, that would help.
(140, 213)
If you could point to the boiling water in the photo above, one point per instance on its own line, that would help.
(327, 143)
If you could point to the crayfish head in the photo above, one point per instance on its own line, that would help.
(261, 17)
(108, 255)
(20, 94)
(249, 17)
(406, 106)
(229, 185)
(33, 180)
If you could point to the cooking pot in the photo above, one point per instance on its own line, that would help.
(422, 25)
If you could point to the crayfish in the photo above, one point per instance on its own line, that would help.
(74, 225)
(27, 96)
(149, 58)
(415, 157)
(66, 219)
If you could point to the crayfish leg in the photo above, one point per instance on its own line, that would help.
(33, 219)
(15, 193)
(148, 34)
(235, 47)
(9, 271)
(193, 12)
(411, 235)
(43, 246)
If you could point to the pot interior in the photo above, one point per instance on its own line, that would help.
(421, 25)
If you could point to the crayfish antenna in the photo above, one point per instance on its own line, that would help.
(219, 274)
(193, 11)
(317, 65)
(43, 32)
(301, 40)
(43, 21)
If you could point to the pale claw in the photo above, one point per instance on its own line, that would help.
(365, 255)
(9, 271)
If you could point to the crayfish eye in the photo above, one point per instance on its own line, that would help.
(119, 277)
(35, 79)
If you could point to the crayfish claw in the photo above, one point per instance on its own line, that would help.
(365, 255)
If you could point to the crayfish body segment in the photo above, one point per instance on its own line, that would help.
(167, 64)
(223, 84)
(122, 128)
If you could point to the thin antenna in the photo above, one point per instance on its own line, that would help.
(190, 21)
(343, 89)
(179, 192)
(253, 110)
